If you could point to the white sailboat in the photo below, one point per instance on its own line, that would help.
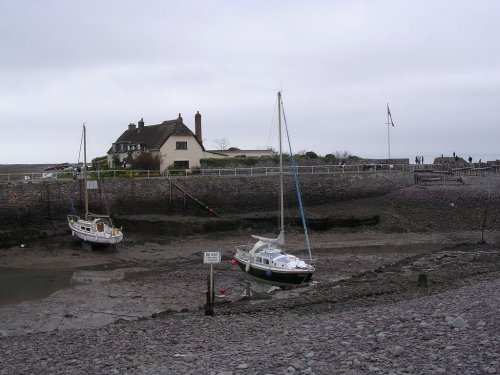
(267, 261)
(93, 228)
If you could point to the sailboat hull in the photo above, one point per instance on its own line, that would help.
(95, 232)
(283, 278)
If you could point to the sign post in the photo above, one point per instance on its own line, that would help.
(210, 257)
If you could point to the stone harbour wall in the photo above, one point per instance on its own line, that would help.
(39, 203)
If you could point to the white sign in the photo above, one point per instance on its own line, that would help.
(91, 184)
(211, 257)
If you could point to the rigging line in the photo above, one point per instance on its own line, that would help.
(297, 187)
(80, 151)
(75, 179)
(272, 127)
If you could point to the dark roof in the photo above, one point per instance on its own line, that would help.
(154, 136)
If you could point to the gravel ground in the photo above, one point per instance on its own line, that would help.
(373, 323)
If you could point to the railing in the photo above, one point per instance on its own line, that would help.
(313, 169)
(233, 172)
(222, 172)
(68, 175)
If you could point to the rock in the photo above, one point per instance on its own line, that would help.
(396, 350)
(428, 335)
(423, 325)
(310, 355)
(480, 324)
(458, 323)
(190, 358)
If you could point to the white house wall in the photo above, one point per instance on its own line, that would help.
(169, 153)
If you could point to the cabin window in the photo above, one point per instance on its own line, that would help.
(266, 261)
(181, 164)
(181, 145)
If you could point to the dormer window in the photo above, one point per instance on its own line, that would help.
(181, 145)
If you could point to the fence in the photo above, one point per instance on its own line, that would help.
(228, 172)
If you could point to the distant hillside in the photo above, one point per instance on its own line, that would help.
(23, 168)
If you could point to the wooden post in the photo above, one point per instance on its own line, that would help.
(170, 199)
(210, 257)
(209, 306)
(423, 280)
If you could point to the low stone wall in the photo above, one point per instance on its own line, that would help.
(42, 203)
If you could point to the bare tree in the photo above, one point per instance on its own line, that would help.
(221, 143)
(342, 154)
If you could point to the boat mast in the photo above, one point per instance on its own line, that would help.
(85, 172)
(282, 211)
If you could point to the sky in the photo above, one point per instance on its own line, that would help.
(108, 63)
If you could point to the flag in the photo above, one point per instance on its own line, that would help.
(389, 115)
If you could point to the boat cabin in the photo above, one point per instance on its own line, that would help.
(275, 258)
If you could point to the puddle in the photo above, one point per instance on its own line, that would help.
(18, 285)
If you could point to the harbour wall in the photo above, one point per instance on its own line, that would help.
(41, 204)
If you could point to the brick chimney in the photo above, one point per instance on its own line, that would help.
(141, 123)
(179, 119)
(131, 126)
(197, 126)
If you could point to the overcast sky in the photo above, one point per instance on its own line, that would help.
(338, 63)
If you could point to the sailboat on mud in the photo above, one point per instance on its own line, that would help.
(93, 228)
(267, 261)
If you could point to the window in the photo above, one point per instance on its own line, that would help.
(181, 164)
(181, 145)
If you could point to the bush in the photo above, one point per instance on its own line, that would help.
(311, 155)
(228, 162)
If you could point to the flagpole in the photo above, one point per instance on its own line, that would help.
(388, 131)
